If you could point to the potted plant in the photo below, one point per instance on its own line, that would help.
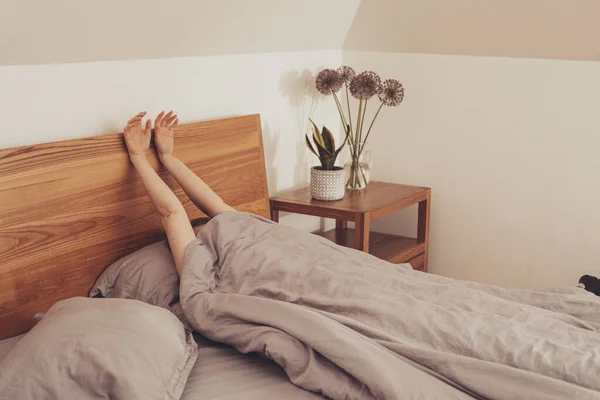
(362, 87)
(327, 181)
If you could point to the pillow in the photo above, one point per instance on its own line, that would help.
(148, 275)
(100, 349)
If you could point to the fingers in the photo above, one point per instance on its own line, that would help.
(148, 130)
(134, 121)
(158, 120)
(136, 118)
(165, 120)
(170, 120)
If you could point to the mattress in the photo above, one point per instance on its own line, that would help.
(221, 372)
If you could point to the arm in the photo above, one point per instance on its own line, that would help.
(197, 190)
(173, 216)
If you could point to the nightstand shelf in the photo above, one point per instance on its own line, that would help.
(376, 201)
(392, 248)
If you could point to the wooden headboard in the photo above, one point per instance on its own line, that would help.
(69, 209)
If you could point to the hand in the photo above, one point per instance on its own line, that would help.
(164, 127)
(136, 139)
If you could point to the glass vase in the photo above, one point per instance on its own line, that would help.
(358, 170)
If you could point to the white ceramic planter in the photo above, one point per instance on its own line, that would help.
(327, 185)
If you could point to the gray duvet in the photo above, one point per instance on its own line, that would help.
(347, 325)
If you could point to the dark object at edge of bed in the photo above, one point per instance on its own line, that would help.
(591, 284)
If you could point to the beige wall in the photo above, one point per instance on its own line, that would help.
(510, 150)
(555, 29)
(59, 31)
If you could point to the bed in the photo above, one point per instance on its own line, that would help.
(81, 199)
(338, 321)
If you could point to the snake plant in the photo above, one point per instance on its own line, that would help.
(325, 146)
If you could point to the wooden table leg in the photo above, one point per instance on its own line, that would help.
(361, 232)
(274, 215)
(423, 227)
(340, 225)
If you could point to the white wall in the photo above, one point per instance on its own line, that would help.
(46, 103)
(510, 150)
(509, 146)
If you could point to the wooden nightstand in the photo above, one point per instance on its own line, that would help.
(377, 200)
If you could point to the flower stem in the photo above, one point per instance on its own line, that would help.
(350, 142)
(356, 155)
(343, 118)
(363, 174)
(359, 122)
(362, 123)
(348, 104)
(340, 110)
(370, 127)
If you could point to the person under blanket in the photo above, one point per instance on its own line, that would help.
(174, 217)
(348, 325)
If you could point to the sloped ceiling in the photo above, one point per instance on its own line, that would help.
(59, 31)
(554, 29)
(53, 31)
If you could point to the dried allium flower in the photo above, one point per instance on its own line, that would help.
(347, 74)
(392, 93)
(329, 81)
(366, 85)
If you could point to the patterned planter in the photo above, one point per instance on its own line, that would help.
(327, 185)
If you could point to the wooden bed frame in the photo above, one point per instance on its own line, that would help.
(69, 209)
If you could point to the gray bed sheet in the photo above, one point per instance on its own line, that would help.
(223, 373)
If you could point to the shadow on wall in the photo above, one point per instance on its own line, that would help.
(110, 126)
(298, 88)
(270, 145)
